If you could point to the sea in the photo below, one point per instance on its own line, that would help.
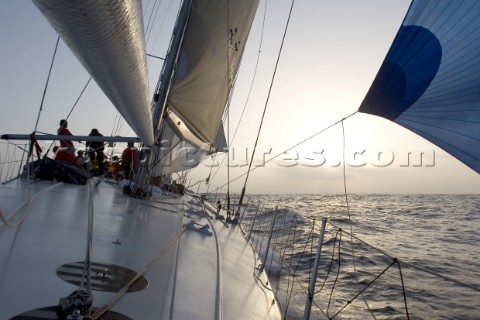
(381, 257)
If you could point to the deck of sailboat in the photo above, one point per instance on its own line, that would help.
(186, 279)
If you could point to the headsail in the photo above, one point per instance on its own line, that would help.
(430, 79)
(177, 155)
(210, 54)
(108, 39)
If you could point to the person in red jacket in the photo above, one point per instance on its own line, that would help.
(130, 161)
(62, 155)
(67, 145)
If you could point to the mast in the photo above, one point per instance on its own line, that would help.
(160, 97)
(194, 88)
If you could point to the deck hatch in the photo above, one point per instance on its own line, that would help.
(105, 277)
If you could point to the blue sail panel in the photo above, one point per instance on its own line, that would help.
(429, 81)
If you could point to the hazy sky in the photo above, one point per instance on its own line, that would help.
(332, 52)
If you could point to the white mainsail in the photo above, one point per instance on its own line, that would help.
(108, 39)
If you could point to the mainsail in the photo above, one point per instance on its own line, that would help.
(108, 39)
(430, 79)
(207, 65)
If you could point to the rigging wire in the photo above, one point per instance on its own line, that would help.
(403, 287)
(218, 167)
(9, 161)
(154, 19)
(350, 218)
(151, 22)
(214, 158)
(309, 242)
(46, 84)
(294, 146)
(155, 161)
(71, 109)
(337, 236)
(12, 167)
(3, 163)
(116, 124)
(156, 57)
(115, 130)
(254, 73)
(27, 203)
(78, 99)
(30, 152)
(363, 290)
(266, 102)
(229, 32)
(413, 266)
(289, 290)
(336, 276)
(263, 225)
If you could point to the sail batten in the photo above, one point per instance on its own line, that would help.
(108, 39)
(429, 81)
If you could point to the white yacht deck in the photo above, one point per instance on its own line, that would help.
(205, 275)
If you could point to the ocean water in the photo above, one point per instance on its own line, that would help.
(436, 239)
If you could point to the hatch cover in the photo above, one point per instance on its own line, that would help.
(50, 313)
(105, 277)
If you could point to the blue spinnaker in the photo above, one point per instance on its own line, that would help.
(430, 80)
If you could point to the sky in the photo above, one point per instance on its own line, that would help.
(330, 56)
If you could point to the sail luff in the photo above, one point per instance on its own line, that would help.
(164, 83)
(152, 164)
(430, 79)
(108, 39)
